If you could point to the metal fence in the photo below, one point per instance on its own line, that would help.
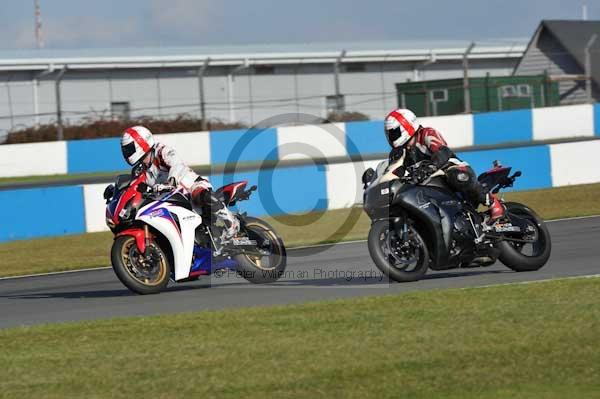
(342, 91)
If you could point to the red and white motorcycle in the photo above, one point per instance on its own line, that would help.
(160, 237)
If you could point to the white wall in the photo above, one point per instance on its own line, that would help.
(566, 121)
(48, 158)
(457, 129)
(575, 163)
(95, 207)
(193, 148)
(312, 141)
(344, 185)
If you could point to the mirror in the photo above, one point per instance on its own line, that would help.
(109, 191)
(368, 176)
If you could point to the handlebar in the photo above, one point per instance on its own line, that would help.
(154, 191)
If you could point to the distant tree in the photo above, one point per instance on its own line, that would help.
(336, 116)
(111, 127)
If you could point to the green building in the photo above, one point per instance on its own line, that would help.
(447, 96)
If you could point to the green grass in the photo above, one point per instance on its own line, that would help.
(110, 176)
(92, 250)
(529, 341)
(55, 178)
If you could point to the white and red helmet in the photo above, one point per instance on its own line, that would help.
(400, 126)
(136, 143)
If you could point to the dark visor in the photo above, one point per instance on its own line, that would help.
(394, 134)
(128, 150)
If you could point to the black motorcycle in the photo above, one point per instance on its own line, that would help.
(423, 224)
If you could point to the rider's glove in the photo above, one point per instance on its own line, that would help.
(201, 192)
(441, 157)
(159, 188)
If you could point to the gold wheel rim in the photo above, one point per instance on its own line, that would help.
(257, 260)
(127, 262)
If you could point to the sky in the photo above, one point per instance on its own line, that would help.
(133, 23)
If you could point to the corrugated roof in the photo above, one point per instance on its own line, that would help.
(574, 36)
(260, 53)
(222, 50)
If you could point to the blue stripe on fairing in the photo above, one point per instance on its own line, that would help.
(98, 155)
(503, 127)
(41, 212)
(233, 146)
(534, 162)
(281, 190)
(366, 138)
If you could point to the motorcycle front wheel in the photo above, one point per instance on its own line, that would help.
(400, 261)
(141, 274)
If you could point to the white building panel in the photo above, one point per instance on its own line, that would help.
(560, 122)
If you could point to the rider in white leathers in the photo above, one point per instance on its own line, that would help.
(163, 167)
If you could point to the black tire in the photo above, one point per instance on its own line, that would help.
(380, 231)
(510, 254)
(249, 267)
(125, 245)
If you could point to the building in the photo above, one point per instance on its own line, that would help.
(489, 94)
(557, 49)
(232, 83)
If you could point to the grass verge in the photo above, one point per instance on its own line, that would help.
(92, 250)
(529, 341)
(48, 179)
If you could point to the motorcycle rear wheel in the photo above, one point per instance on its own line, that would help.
(513, 255)
(149, 278)
(385, 250)
(266, 268)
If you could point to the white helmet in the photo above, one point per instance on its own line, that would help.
(400, 126)
(136, 143)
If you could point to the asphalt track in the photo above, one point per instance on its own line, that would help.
(313, 274)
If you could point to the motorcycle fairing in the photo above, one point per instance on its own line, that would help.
(230, 192)
(493, 177)
(178, 225)
(205, 264)
(435, 209)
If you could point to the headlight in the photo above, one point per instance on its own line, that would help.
(110, 223)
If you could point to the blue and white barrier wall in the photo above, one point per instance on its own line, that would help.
(77, 209)
(310, 141)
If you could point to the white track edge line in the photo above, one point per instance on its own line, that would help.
(291, 249)
(544, 280)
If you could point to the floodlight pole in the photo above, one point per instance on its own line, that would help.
(230, 80)
(35, 82)
(588, 67)
(201, 72)
(466, 88)
(39, 41)
(336, 81)
(59, 122)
